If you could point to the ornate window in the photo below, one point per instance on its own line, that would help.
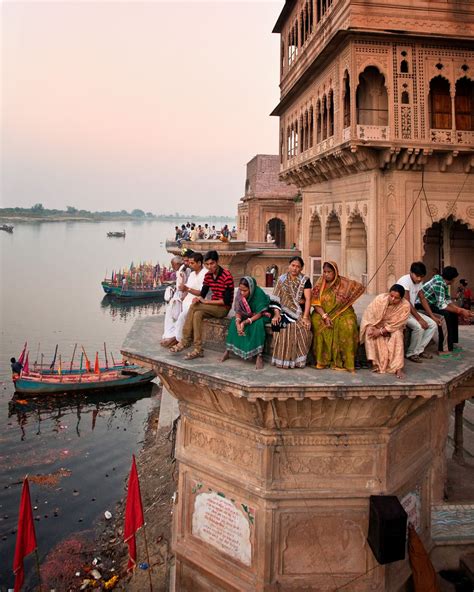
(440, 104)
(404, 67)
(464, 104)
(372, 98)
(347, 101)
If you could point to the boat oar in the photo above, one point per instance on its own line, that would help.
(60, 369)
(37, 354)
(112, 356)
(88, 364)
(106, 359)
(72, 359)
(54, 359)
(41, 367)
(80, 369)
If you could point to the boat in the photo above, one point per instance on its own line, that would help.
(133, 291)
(7, 228)
(116, 234)
(139, 281)
(40, 383)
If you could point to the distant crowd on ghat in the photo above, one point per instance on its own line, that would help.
(194, 232)
(315, 320)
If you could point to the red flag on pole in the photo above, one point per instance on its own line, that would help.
(25, 538)
(26, 367)
(22, 355)
(133, 515)
(96, 364)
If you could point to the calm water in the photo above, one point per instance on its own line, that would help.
(51, 294)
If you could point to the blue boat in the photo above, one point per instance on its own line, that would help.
(36, 383)
(132, 292)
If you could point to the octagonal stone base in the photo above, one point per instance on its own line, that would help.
(276, 468)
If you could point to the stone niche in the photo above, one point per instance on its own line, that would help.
(274, 488)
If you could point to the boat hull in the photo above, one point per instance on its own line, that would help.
(118, 292)
(71, 384)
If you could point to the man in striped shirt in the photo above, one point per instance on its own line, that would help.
(220, 283)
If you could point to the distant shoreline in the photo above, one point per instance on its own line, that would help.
(98, 218)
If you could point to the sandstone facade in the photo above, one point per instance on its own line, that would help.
(377, 132)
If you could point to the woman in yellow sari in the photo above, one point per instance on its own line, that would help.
(335, 333)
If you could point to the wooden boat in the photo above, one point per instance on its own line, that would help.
(7, 228)
(37, 383)
(116, 234)
(132, 291)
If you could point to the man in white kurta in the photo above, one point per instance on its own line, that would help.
(191, 289)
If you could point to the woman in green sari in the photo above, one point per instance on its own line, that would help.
(335, 333)
(246, 335)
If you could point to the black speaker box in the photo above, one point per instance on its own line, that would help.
(387, 528)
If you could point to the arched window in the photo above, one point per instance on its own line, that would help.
(405, 98)
(330, 114)
(372, 98)
(464, 104)
(319, 123)
(288, 142)
(347, 101)
(311, 127)
(302, 133)
(325, 118)
(404, 67)
(282, 54)
(440, 104)
(276, 227)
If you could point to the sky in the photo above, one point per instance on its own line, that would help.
(121, 105)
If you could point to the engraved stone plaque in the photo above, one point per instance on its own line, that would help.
(224, 524)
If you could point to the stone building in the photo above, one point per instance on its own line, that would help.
(269, 205)
(377, 132)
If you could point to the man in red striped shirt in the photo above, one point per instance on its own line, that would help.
(221, 284)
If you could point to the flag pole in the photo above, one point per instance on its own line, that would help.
(38, 569)
(147, 557)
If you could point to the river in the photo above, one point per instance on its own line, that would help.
(78, 452)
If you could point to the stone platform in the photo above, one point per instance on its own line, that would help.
(276, 466)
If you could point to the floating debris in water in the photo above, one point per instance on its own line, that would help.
(50, 479)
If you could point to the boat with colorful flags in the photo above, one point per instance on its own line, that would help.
(40, 380)
(144, 280)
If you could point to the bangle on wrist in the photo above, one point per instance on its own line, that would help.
(325, 316)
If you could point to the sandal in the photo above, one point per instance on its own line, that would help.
(178, 347)
(196, 353)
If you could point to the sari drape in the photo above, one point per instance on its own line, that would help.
(335, 346)
(385, 352)
(292, 342)
(253, 342)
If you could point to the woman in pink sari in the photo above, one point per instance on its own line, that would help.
(381, 330)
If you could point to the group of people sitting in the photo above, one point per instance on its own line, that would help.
(195, 232)
(321, 318)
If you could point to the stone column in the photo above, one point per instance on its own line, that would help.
(274, 486)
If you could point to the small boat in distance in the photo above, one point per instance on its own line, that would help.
(7, 228)
(116, 234)
(142, 280)
(137, 292)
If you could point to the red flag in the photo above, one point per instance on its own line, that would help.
(22, 355)
(133, 515)
(26, 367)
(25, 538)
(96, 364)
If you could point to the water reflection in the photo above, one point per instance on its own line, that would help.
(84, 409)
(123, 310)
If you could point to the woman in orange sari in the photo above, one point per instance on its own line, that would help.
(335, 333)
(382, 331)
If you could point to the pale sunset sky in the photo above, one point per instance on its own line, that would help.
(121, 105)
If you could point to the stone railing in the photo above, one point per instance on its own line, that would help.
(447, 136)
(373, 132)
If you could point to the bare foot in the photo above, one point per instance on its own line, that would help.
(225, 356)
(400, 373)
(259, 362)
